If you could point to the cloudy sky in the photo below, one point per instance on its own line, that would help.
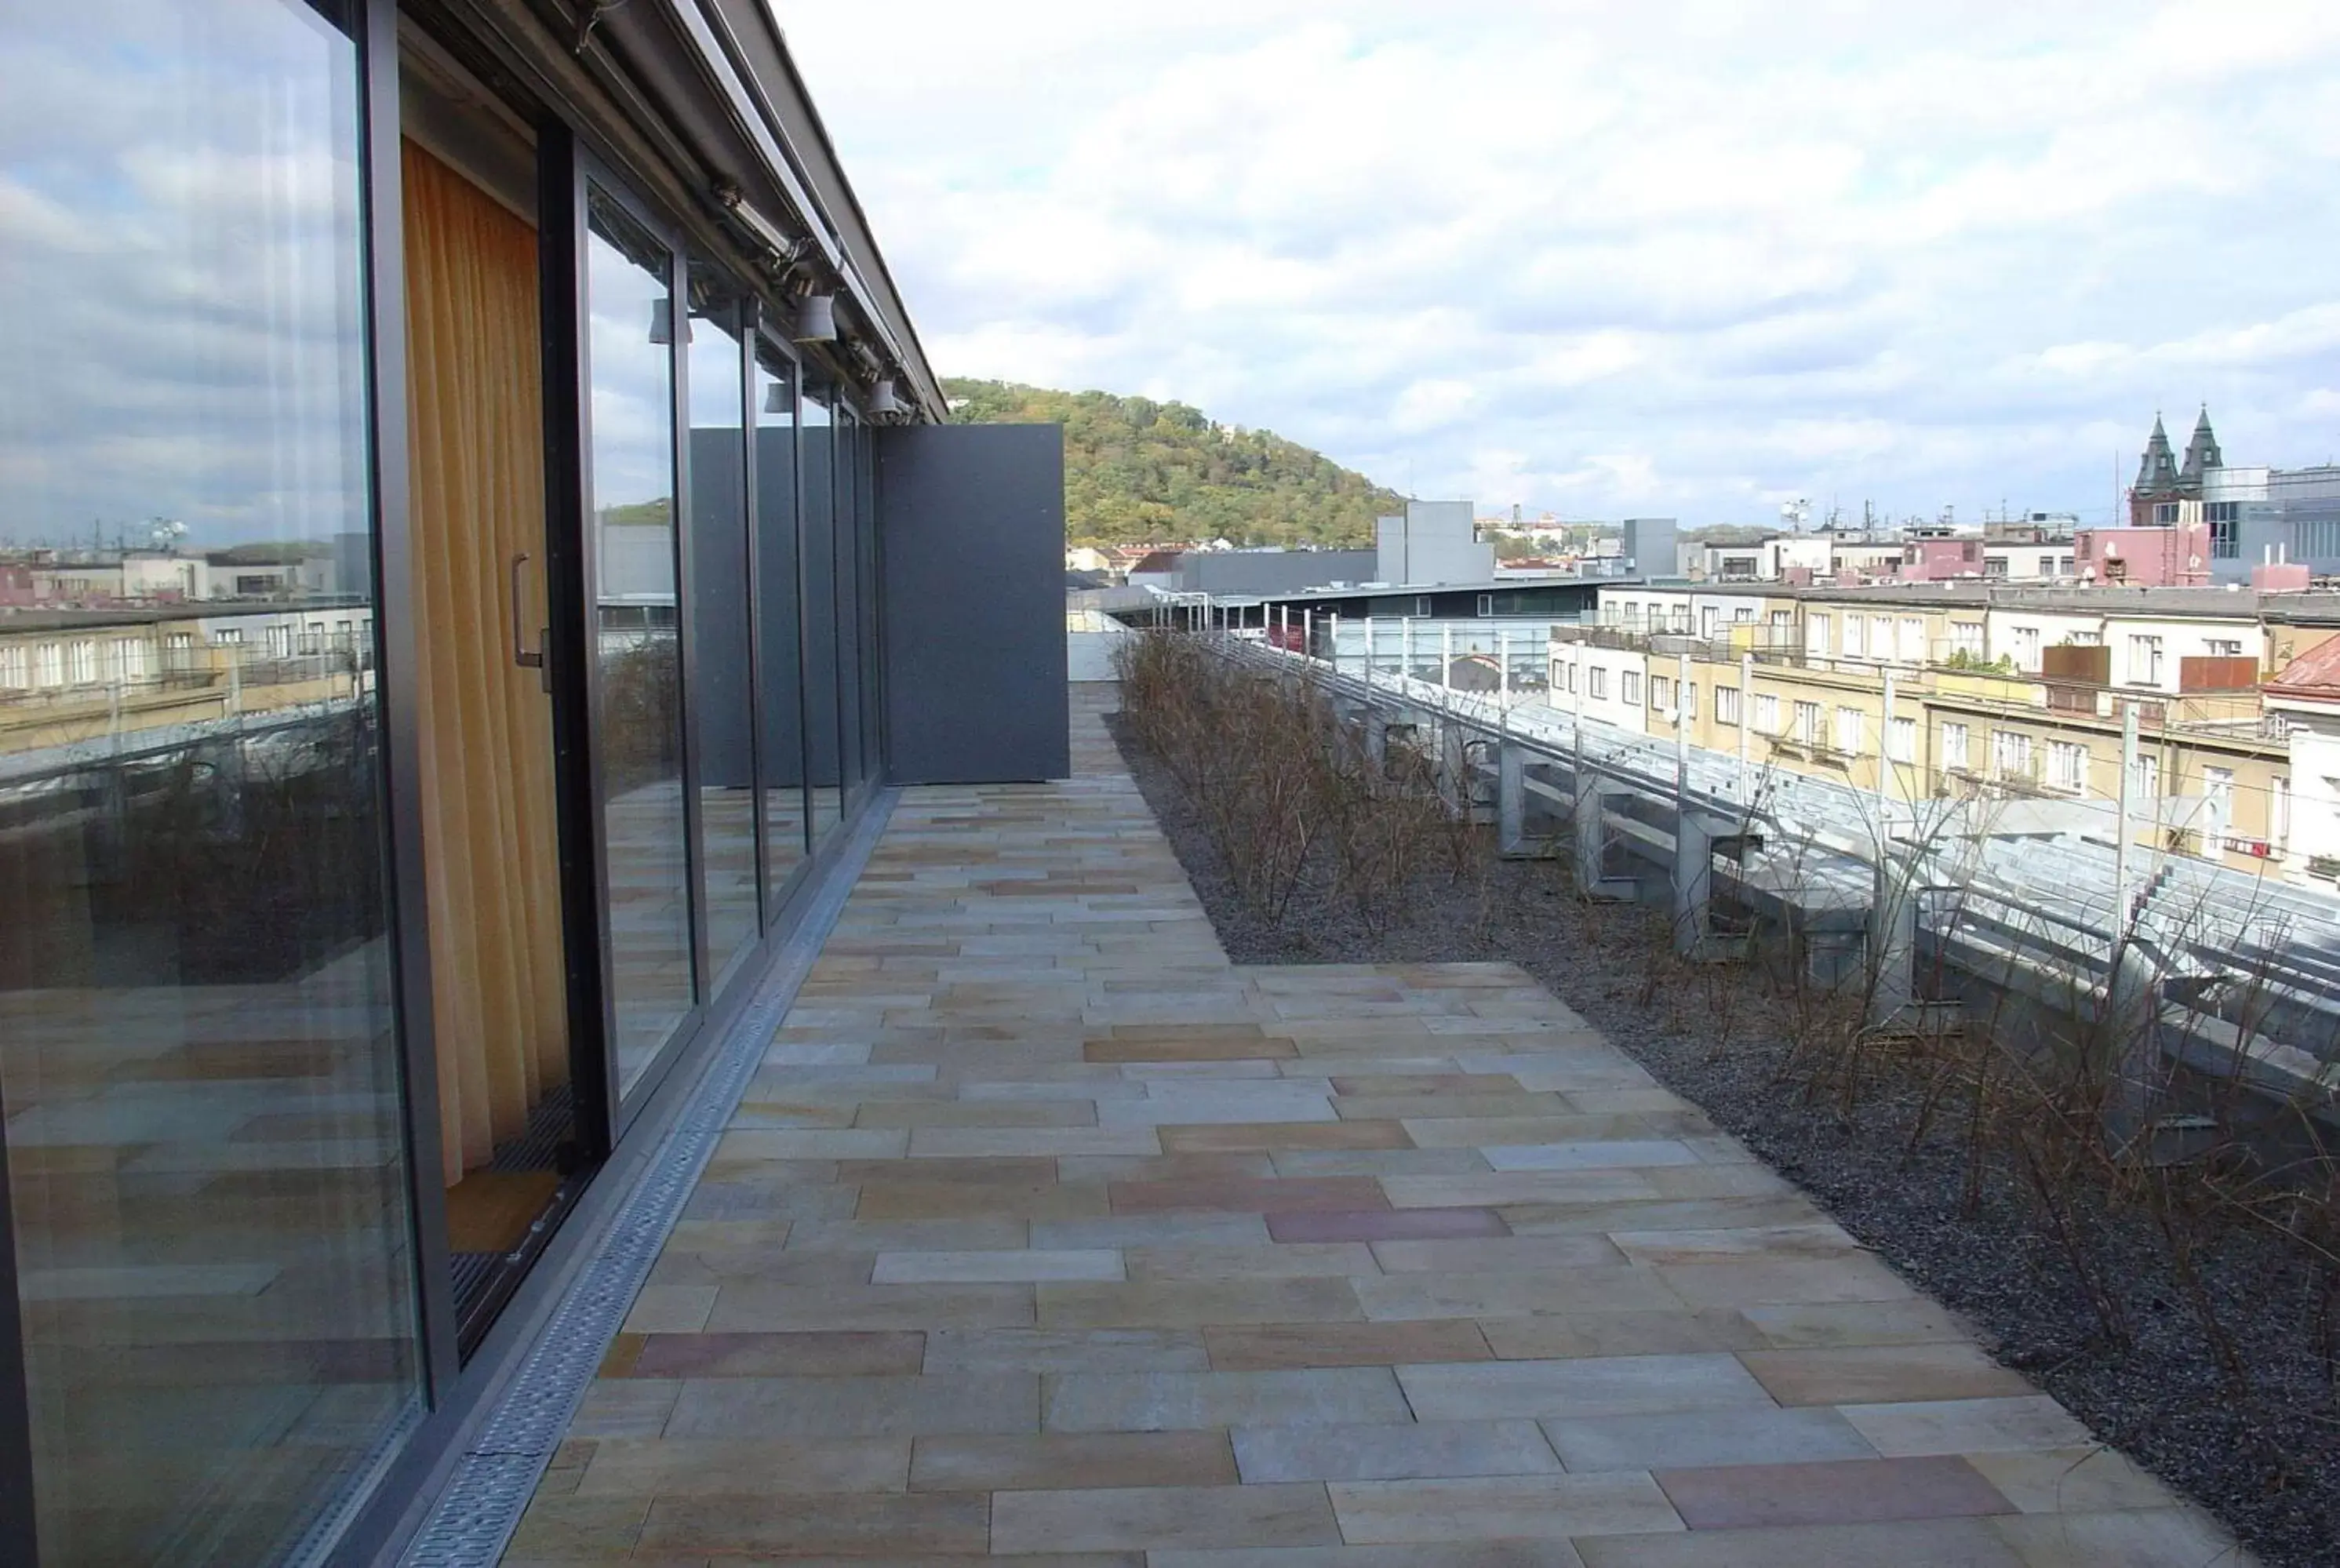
(1678, 256)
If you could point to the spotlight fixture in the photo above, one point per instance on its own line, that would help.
(816, 318)
(882, 400)
(662, 321)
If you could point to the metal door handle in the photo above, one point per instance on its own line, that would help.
(527, 658)
(522, 655)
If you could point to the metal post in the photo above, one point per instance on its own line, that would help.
(1885, 765)
(1405, 646)
(1445, 654)
(1511, 798)
(1308, 634)
(1746, 722)
(1369, 651)
(1694, 868)
(1503, 668)
(1333, 638)
(2120, 833)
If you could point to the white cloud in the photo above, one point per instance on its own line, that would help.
(1686, 253)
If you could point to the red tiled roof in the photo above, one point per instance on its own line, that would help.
(2315, 674)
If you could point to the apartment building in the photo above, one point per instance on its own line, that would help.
(1945, 690)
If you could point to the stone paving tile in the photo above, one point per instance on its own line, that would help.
(1064, 1461)
(1704, 1437)
(1402, 1451)
(1162, 1518)
(1385, 1225)
(1045, 1236)
(1932, 1543)
(1591, 1385)
(1186, 1401)
(1273, 1346)
(1829, 1491)
(1434, 1512)
(1882, 1373)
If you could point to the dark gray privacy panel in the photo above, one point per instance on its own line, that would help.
(971, 523)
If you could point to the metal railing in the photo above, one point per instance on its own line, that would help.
(2042, 896)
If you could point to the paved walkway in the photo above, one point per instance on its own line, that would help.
(1050, 1236)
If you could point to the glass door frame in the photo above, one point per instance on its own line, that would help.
(607, 1112)
(764, 331)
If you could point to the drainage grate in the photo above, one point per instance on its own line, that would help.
(492, 1483)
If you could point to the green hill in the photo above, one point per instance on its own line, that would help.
(1137, 471)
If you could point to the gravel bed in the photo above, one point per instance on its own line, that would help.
(2267, 1460)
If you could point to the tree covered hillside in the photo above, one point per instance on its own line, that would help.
(1137, 471)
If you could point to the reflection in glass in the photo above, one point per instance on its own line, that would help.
(198, 1043)
(866, 535)
(823, 732)
(848, 596)
(724, 697)
(639, 693)
(780, 686)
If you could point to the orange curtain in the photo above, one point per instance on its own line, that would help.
(476, 476)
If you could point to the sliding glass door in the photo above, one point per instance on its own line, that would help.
(634, 616)
(207, 1167)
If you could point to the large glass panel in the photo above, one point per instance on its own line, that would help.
(872, 672)
(824, 746)
(848, 596)
(645, 839)
(198, 1042)
(780, 656)
(723, 697)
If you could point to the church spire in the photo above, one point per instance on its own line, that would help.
(2202, 453)
(2158, 470)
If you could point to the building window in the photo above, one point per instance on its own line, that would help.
(2144, 660)
(1726, 705)
(12, 667)
(1681, 618)
(1965, 637)
(2067, 765)
(1767, 712)
(81, 663)
(1808, 722)
(2165, 513)
(1848, 731)
(1421, 604)
(2010, 753)
(2279, 811)
(1913, 640)
(1816, 635)
(1954, 748)
(1661, 691)
(2147, 779)
(1901, 741)
(1629, 687)
(2223, 648)
(2218, 803)
(1856, 642)
(2027, 648)
(1880, 637)
(1596, 683)
(2224, 518)
(1689, 701)
(2067, 566)
(1486, 604)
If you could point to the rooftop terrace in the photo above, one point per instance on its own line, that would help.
(1046, 1234)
